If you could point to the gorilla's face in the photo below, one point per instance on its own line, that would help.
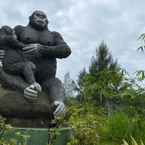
(39, 20)
(7, 30)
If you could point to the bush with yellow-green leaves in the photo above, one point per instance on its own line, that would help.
(5, 129)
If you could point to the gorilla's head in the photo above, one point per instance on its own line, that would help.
(7, 30)
(38, 20)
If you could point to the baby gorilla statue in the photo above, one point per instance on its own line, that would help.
(15, 61)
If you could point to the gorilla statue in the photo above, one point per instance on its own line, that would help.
(43, 47)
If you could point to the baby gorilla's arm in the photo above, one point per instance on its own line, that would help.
(14, 43)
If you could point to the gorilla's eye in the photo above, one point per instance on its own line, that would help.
(40, 16)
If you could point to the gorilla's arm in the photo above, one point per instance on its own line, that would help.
(59, 50)
(14, 43)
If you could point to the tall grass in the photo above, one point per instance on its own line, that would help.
(133, 142)
(120, 126)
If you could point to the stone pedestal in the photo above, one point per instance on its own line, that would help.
(20, 112)
(30, 120)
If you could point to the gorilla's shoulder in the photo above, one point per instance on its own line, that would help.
(56, 34)
(19, 28)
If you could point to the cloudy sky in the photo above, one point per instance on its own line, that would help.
(84, 24)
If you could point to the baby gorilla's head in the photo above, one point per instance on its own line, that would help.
(8, 31)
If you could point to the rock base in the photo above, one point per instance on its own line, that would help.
(21, 112)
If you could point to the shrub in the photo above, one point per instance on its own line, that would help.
(86, 124)
(117, 127)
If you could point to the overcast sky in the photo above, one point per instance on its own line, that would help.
(84, 24)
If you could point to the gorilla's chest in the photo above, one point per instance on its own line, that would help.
(30, 35)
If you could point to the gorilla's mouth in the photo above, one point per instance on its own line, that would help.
(40, 22)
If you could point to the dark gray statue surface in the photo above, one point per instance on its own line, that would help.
(29, 68)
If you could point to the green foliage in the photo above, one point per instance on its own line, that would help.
(82, 74)
(86, 125)
(81, 77)
(117, 127)
(102, 61)
(140, 75)
(5, 129)
(121, 126)
(92, 126)
(104, 78)
(105, 88)
(132, 142)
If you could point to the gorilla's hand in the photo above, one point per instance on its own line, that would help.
(1, 64)
(37, 86)
(2, 54)
(31, 93)
(32, 49)
(60, 108)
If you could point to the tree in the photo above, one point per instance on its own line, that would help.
(82, 74)
(102, 61)
(81, 77)
(104, 77)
